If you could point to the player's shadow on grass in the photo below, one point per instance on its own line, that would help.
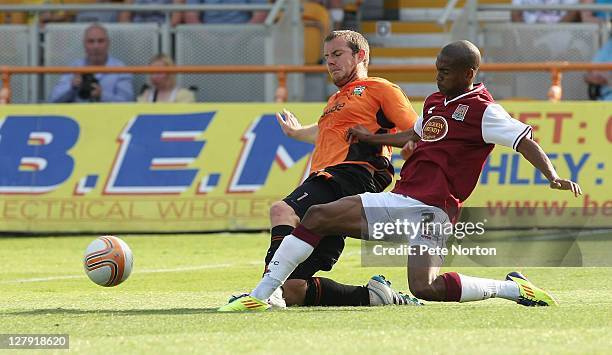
(169, 311)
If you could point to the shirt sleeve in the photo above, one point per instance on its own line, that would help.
(418, 126)
(63, 90)
(499, 128)
(397, 108)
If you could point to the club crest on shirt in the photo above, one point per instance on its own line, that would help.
(358, 90)
(435, 129)
(460, 112)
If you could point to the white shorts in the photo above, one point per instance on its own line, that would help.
(389, 213)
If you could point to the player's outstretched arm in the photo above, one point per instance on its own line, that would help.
(399, 140)
(536, 156)
(294, 129)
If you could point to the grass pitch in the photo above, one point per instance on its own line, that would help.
(168, 305)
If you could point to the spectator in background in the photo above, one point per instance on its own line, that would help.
(98, 16)
(104, 87)
(545, 16)
(226, 16)
(164, 85)
(595, 16)
(151, 16)
(603, 79)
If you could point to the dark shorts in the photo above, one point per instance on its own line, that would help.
(338, 182)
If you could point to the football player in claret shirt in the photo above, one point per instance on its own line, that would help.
(339, 169)
(458, 129)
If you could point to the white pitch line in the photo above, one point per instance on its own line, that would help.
(148, 271)
(43, 279)
(185, 268)
(145, 271)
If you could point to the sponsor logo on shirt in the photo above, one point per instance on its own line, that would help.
(460, 112)
(435, 129)
(335, 108)
(358, 90)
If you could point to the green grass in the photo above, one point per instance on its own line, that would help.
(168, 305)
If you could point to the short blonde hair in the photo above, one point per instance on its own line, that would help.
(355, 40)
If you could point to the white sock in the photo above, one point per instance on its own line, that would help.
(292, 252)
(476, 289)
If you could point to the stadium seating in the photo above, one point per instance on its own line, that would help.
(22, 17)
(412, 36)
(15, 18)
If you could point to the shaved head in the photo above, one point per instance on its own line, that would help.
(463, 54)
(457, 65)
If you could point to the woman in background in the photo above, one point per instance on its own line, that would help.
(164, 87)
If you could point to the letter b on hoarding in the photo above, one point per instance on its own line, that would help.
(34, 152)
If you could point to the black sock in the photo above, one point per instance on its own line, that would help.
(277, 234)
(327, 292)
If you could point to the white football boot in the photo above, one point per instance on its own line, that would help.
(381, 294)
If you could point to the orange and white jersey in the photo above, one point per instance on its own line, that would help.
(375, 103)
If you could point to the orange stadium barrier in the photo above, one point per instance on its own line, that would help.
(554, 93)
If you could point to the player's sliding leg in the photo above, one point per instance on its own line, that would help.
(286, 214)
(302, 289)
(425, 283)
(339, 217)
(321, 291)
(300, 283)
(345, 216)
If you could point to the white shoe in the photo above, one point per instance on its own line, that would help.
(381, 293)
(276, 300)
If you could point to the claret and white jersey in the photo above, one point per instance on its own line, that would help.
(457, 136)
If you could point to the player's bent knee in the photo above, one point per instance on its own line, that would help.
(280, 208)
(282, 213)
(294, 292)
